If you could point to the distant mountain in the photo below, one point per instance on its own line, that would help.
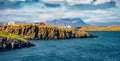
(77, 22)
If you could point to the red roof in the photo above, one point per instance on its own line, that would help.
(41, 23)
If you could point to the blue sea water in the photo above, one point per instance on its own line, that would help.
(104, 48)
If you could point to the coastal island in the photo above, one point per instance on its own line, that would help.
(14, 36)
(12, 41)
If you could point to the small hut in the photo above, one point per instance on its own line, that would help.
(41, 23)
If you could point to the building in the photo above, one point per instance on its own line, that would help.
(67, 26)
(41, 23)
(11, 23)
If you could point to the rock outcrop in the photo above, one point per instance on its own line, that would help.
(12, 43)
(32, 31)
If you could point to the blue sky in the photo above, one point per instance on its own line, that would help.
(90, 11)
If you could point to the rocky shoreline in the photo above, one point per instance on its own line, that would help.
(7, 43)
(35, 32)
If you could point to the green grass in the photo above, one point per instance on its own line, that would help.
(6, 34)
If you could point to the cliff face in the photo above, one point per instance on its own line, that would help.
(11, 43)
(31, 31)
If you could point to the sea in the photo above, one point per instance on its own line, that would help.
(106, 47)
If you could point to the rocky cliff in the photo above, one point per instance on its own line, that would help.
(12, 43)
(32, 31)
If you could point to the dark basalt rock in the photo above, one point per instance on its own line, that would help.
(7, 43)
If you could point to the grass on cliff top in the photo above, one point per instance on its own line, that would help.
(15, 36)
(95, 28)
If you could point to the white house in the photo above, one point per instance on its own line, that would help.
(67, 26)
(11, 23)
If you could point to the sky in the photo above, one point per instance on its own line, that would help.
(90, 11)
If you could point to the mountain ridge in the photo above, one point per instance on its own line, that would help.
(76, 22)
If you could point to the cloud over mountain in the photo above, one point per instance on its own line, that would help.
(91, 11)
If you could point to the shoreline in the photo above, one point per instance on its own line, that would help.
(36, 32)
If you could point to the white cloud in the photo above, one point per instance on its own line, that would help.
(73, 2)
(88, 16)
(101, 16)
(70, 2)
(9, 15)
(54, 1)
(12, 0)
(16, 0)
(117, 3)
(100, 2)
(40, 12)
(114, 11)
